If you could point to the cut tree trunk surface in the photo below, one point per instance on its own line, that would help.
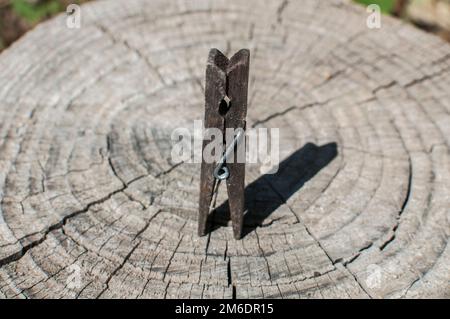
(93, 206)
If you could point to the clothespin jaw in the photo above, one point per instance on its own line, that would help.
(225, 107)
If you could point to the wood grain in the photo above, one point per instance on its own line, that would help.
(359, 209)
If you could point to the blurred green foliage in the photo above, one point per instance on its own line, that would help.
(386, 5)
(34, 12)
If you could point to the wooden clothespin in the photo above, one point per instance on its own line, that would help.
(225, 107)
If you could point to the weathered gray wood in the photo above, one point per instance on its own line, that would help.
(360, 207)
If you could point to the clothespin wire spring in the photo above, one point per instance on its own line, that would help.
(221, 172)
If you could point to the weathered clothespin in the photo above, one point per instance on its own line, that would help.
(225, 107)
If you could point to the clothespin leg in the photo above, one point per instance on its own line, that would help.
(235, 188)
(238, 74)
(215, 90)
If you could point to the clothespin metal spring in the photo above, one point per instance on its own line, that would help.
(221, 172)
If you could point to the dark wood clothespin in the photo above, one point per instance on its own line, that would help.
(225, 107)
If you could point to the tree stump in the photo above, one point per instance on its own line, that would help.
(92, 205)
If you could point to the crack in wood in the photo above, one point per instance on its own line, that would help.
(127, 257)
(280, 11)
(19, 254)
(400, 212)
